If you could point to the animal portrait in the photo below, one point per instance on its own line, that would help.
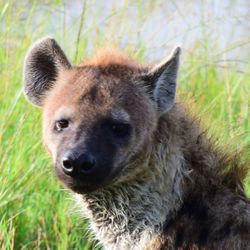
(145, 173)
(124, 125)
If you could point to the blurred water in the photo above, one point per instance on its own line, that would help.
(149, 27)
(160, 25)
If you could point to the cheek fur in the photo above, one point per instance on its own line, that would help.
(49, 140)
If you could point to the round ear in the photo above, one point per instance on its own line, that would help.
(42, 64)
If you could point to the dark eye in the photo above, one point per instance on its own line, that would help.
(61, 124)
(120, 129)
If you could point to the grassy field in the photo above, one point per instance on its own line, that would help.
(35, 211)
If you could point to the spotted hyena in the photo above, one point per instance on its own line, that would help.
(141, 168)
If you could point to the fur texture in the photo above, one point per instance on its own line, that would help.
(161, 184)
(182, 201)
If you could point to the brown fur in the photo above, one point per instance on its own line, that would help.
(215, 211)
(164, 186)
(110, 56)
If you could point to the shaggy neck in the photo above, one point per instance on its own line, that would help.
(129, 215)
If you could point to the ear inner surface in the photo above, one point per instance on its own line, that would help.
(163, 79)
(41, 67)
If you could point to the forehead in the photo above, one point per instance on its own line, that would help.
(93, 88)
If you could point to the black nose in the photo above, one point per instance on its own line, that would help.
(82, 163)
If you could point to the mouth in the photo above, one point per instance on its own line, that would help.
(84, 184)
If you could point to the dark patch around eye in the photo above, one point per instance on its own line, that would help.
(120, 129)
(61, 124)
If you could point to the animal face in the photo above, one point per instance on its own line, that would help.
(98, 118)
(93, 125)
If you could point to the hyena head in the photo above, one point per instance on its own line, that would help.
(98, 118)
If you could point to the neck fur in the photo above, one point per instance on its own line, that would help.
(130, 215)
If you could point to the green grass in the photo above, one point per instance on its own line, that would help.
(35, 211)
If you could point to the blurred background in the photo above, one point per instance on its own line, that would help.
(35, 210)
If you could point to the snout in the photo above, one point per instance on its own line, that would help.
(73, 164)
(84, 171)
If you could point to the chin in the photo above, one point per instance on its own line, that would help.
(85, 189)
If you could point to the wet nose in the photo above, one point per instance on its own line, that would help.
(83, 163)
